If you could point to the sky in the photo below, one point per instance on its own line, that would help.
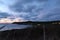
(32, 10)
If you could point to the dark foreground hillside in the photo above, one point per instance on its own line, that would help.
(22, 34)
(37, 32)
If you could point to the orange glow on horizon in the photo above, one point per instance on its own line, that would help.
(7, 20)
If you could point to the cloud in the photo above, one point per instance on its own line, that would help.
(54, 14)
(37, 10)
(28, 9)
(28, 5)
(51, 15)
(7, 2)
(8, 20)
(4, 7)
(3, 15)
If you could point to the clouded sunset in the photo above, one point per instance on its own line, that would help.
(29, 19)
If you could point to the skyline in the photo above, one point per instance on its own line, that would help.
(11, 20)
(34, 10)
(7, 20)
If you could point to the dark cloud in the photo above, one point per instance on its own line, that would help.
(44, 9)
(31, 7)
(52, 15)
(30, 1)
(2, 15)
(28, 5)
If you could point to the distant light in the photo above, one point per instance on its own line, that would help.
(54, 23)
(59, 22)
(38, 24)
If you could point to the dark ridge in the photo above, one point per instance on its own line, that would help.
(37, 22)
(22, 34)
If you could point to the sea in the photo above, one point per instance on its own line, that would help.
(9, 26)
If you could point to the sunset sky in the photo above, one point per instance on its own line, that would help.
(34, 10)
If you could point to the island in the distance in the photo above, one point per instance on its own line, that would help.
(38, 22)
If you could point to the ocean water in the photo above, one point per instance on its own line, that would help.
(4, 27)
